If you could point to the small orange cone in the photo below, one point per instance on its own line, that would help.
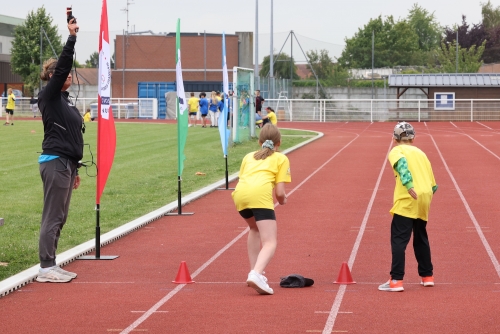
(183, 276)
(344, 275)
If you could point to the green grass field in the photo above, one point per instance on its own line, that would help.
(143, 178)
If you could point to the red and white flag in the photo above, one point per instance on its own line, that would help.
(106, 132)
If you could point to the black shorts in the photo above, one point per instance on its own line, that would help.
(193, 113)
(9, 111)
(203, 115)
(259, 214)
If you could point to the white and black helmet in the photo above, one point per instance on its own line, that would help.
(404, 131)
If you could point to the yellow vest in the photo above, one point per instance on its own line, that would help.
(423, 181)
(11, 103)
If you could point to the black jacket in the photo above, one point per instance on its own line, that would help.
(62, 122)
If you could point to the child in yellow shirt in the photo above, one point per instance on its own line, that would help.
(415, 186)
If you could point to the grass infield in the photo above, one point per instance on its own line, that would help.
(143, 178)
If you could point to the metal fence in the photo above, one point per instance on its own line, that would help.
(320, 110)
(143, 108)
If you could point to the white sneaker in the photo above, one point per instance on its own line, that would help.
(259, 283)
(53, 276)
(65, 272)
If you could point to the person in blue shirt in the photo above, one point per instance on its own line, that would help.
(203, 109)
(214, 109)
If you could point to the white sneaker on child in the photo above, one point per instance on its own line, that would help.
(259, 283)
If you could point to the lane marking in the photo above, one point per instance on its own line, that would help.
(479, 231)
(340, 294)
(484, 125)
(162, 301)
(74, 282)
(454, 125)
(145, 311)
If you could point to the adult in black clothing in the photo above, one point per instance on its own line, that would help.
(62, 150)
(258, 108)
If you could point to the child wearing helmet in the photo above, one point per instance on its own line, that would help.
(415, 186)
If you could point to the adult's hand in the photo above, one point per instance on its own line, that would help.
(72, 27)
(77, 182)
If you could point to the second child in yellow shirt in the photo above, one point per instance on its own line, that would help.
(415, 187)
(193, 104)
(261, 173)
(270, 117)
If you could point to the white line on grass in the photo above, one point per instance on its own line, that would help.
(471, 214)
(172, 293)
(330, 322)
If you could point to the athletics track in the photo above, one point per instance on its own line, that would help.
(337, 211)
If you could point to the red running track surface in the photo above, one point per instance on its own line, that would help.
(337, 211)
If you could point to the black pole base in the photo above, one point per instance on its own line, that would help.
(93, 257)
(179, 214)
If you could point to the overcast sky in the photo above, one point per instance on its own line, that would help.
(319, 24)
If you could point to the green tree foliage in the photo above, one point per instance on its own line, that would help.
(321, 63)
(469, 60)
(25, 50)
(93, 61)
(428, 30)
(396, 43)
(281, 67)
(491, 16)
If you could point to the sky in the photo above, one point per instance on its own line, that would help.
(318, 24)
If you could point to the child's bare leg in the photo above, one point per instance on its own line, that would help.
(268, 231)
(253, 242)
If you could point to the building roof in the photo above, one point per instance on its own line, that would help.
(86, 76)
(11, 20)
(445, 80)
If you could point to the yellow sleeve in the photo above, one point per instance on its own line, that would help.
(284, 174)
(395, 155)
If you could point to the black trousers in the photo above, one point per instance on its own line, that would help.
(401, 229)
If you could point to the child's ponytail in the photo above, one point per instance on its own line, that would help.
(270, 137)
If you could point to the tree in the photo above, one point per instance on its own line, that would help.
(25, 50)
(476, 35)
(321, 63)
(396, 43)
(93, 61)
(469, 60)
(281, 67)
(429, 32)
(491, 16)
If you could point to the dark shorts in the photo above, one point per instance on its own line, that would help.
(259, 214)
(192, 113)
(9, 111)
(203, 115)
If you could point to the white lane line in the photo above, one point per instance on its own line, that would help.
(454, 125)
(330, 322)
(172, 293)
(484, 125)
(471, 214)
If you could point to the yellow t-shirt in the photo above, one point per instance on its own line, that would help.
(193, 103)
(272, 118)
(423, 181)
(257, 180)
(86, 117)
(11, 102)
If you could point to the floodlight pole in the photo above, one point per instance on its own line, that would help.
(373, 56)
(271, 59)
(457, 54)
(256, 61)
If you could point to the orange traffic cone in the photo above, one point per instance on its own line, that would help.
(344, 275)
(183, 276)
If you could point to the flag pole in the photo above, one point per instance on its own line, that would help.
(106, 132)
(223, 131)
(182, 123)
